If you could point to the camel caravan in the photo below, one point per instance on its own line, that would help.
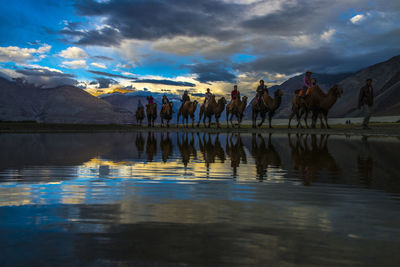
(308, 99)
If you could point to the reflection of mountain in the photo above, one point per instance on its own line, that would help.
(64, 104)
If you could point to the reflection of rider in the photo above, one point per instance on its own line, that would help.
(207, 97)
(261, 89)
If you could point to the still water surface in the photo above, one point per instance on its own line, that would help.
(149, 199)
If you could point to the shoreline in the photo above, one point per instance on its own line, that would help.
(377, 129)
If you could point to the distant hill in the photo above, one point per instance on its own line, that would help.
(386, 84)
(64, 104)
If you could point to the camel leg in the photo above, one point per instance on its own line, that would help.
(254, 118)
(269, 120)
(262, 119)
(290, 118)
(306, 118)
(326, 120)
(200, 115)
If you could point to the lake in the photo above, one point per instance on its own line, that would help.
(199, 199)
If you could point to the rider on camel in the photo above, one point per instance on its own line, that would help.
(207, 96)
(307, 84)
(235, 95)
(261, 89)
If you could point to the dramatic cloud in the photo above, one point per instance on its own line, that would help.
(103, 58)
(105, 82)
(75, 64)
(98, 65)
(17, 54)
(43, 76)
(212, 72)
(165, 82)
(73, 53)
(357, 19)
(110, 74)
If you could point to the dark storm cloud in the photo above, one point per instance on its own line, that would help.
(165, 82)
(289, 20)
(43, 72)
(47, 78)
(103, 58)
(152, 19)
(322, 60)
(109, 74)
(105, 82)
(212, 72)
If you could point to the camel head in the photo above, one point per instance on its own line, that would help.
(195, 102)
(338, 90)
(244, 98)
(278, 93)
(222, 100)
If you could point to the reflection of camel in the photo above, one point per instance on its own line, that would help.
(151, 146)
(264, 155)
(186, 148)
(235, 152)
(211, 151)
(166, 147)
(139, 144)
(310, 162)
(365, 162)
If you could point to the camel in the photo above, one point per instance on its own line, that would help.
(318, 102)
(236, 109)
(139, 115)
(214, 108)
(321, 103)
(268, 105)
(151, 111)
(188, 110)
(166, 113)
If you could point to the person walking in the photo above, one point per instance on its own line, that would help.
(366, 101)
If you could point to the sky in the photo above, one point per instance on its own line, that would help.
(168, 46)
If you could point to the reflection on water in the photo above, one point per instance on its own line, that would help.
(160, 198)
